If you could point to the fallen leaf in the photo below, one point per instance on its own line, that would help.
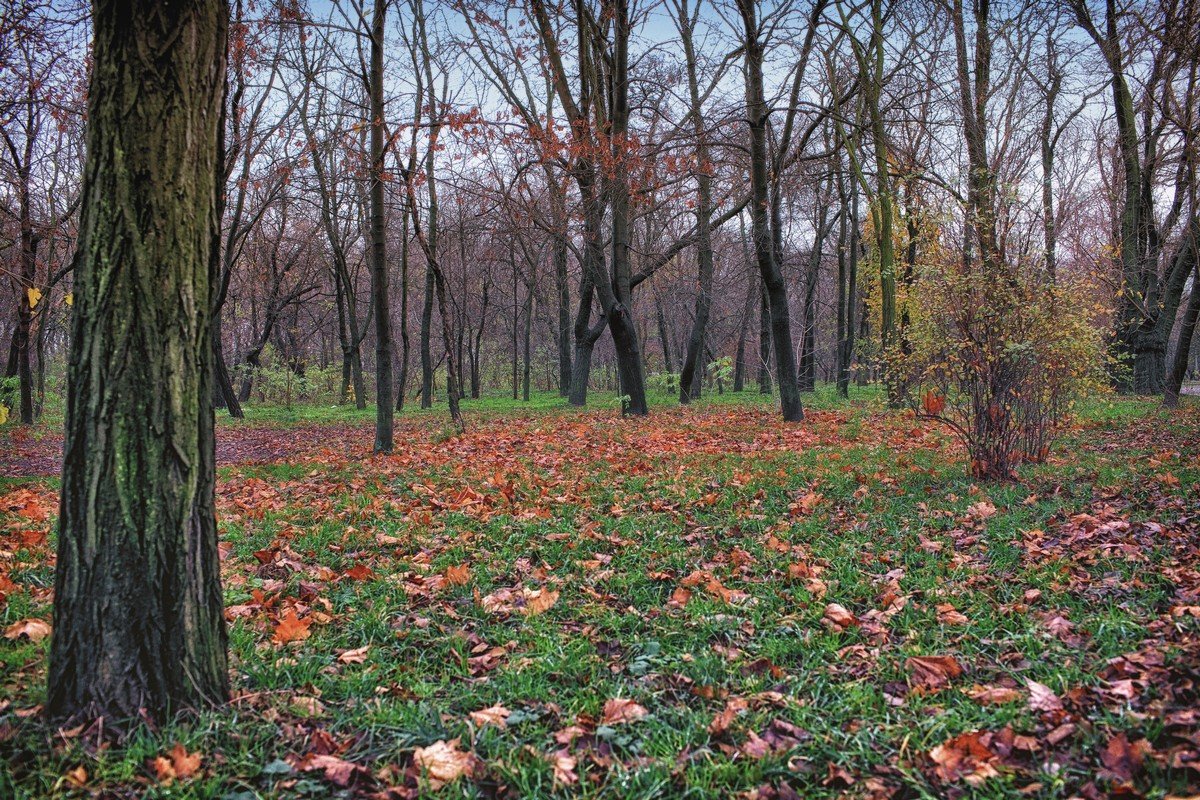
(178, 764)
(933, 673)
(495, 715)
(457, 575)
(618, 710)
(840, 616)
(948, 615)
(442, 762)
(291, 628)
(1042, 697)
(564, 768)
(355, 656)
(994, 695)
(539, 601)
(35, 630)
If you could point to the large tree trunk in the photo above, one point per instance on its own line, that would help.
(378, 241)
(138, 616)
(1183, 348)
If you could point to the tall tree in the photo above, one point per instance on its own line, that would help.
(138, 614)
(378, 242)
(758, 114)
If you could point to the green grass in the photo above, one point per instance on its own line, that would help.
(624, 519)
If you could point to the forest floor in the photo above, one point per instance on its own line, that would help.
(705, 603)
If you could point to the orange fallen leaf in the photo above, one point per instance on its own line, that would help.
(457, 574)
(178, 764)
(994, 695)
(539, 601)
(291, 628)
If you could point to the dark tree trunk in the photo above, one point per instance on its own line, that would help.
(402, 380)
(378, 242)
(427, 340)
(138, 614)
(563, 292)
(848, 244)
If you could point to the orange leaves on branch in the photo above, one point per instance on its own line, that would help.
(933, 403)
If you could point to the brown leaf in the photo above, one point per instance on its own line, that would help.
(840, 617)
(948, 615)
(933, 673)
(618, 710)
(355, 656)
(496, 715)
(539, 601)
(178, 764)
(35, 630)
(337, 771)
(1042, 697)
(564, 768)
(994, 695)
(1123, 759)
(442, 762)
(725, 717)
(967, 758)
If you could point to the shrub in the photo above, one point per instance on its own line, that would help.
(999, 359)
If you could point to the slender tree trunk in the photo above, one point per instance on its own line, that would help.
(138, 614)
(664, 336)
(426, 338)
(563, 292)
(402, 380)
(378, 242)
(691, 374)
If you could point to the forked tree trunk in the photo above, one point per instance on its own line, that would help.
(138, 622)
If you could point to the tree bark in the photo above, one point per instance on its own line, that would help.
(378, 242)
(138, 614)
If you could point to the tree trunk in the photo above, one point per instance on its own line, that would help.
(378, 242)
(138, 614)
(1183, 348)
(757, 113)
(402, 380)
